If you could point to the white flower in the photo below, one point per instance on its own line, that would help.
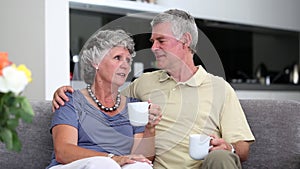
(12, 80)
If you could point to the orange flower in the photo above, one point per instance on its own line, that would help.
(3, 61)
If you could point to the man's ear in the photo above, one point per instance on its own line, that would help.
(186, 39)
(95, 66)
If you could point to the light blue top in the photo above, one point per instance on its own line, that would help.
(96, 130)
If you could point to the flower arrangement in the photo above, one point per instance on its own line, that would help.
(13, 106)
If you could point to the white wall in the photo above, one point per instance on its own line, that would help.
(57, 51)
(35, 32)
(22, 32)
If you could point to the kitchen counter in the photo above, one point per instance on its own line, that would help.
(271, 87)
(273, 91)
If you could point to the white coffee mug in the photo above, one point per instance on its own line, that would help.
(138, 113)
(199, 146)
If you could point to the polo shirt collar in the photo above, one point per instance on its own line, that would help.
(164, 76)
(195, 80)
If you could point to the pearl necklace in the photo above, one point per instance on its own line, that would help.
(107, 109)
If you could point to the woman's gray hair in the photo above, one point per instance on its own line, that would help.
(181, 22)
(97, 46)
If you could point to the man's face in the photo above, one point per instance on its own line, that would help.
(166, 48)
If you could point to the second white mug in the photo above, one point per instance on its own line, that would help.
(199, 146)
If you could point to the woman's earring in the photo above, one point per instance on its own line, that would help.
(97, 68)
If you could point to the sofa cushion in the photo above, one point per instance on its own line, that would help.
(36, 140)
(276, 127)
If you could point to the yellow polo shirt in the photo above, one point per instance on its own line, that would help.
(204, 104)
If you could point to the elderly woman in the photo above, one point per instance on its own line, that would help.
(92, 130)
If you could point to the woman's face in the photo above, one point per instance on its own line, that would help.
(115, 66)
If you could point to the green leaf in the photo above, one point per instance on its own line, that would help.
(12, 123)
(17, 146)
(6, 136)
(8, 99)
(28, 113)
(12, 108)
